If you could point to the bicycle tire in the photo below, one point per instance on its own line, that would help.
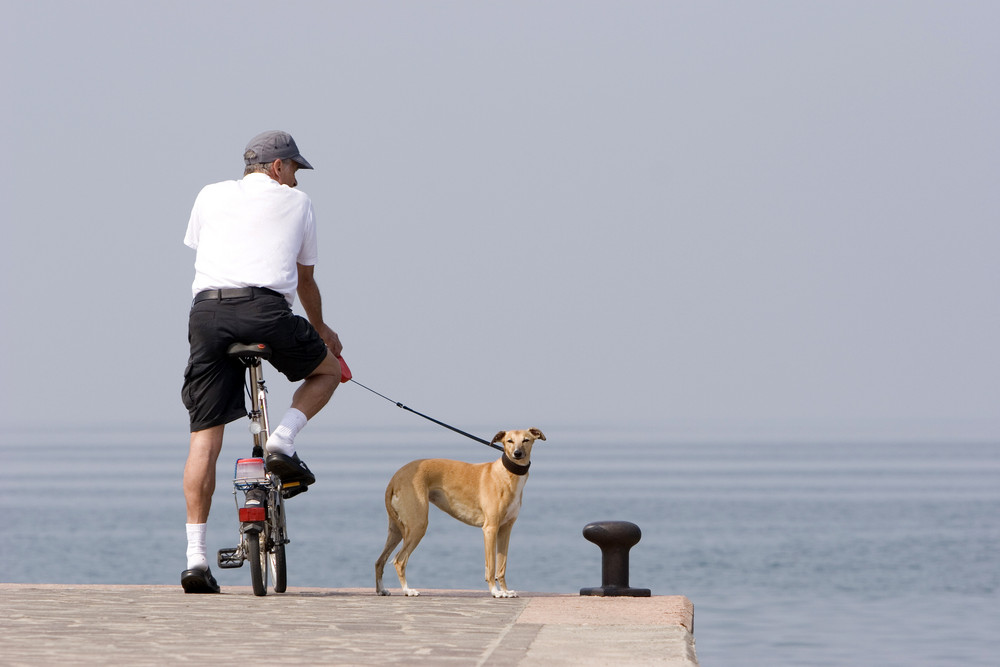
(279, 573)
(257, 555)
(276, 540)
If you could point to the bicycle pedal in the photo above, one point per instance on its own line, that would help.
(230, 558)
(293, 489)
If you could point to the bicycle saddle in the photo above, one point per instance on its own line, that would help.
(242, 350)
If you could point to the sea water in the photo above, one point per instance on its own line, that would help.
(792, 553)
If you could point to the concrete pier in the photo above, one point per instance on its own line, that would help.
(156, 625)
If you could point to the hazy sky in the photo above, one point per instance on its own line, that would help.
(684, 219)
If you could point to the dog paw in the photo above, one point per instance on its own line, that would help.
(504, 594)
(383, 592)
(409, 592)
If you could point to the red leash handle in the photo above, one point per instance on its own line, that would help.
(345, 372)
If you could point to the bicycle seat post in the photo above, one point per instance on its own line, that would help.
(258, 415)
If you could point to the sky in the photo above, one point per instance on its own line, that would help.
(676, 220)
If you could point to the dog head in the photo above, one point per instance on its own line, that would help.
(517, 444)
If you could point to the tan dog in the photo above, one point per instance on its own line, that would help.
(483, 494)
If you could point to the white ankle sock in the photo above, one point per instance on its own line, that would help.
(282, 440)
(196, 555)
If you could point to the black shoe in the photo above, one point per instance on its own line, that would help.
(290, 469)
(256, 497)
(199, 581)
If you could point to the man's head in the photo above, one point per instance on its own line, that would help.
(274, 151)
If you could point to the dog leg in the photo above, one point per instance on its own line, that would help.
(503, 542)
(400, 562)
(394, 538)
(413, 532)
(490, 546)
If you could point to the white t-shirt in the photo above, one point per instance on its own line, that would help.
(251, 233)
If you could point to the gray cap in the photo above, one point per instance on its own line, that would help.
(273, 145)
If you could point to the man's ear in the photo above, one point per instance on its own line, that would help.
(498, 437)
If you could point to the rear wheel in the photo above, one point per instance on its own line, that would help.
(279, 575)
(258, 557)
(277, 540)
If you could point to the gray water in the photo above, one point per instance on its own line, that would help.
(793, 554)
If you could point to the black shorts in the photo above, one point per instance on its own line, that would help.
(213, 389)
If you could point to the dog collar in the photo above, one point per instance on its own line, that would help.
(514, 468)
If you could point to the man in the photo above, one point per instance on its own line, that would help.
(256, 248)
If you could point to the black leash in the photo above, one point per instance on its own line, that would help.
(400, 405)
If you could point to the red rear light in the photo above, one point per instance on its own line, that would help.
(253, 514)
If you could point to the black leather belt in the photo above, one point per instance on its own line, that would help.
(235, 293)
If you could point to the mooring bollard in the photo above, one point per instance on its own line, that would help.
(615, 538)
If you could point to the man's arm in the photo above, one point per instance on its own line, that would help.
(312, 303)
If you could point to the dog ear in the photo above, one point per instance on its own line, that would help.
(537, 433)
(498, 437)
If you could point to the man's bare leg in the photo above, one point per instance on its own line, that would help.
(199, 472)
(317, 389)
(314, 393)
(199, 485)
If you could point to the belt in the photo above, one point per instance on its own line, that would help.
(235, 293)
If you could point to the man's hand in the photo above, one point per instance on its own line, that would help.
(331, 339)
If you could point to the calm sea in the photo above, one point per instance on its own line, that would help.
(793, 554)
